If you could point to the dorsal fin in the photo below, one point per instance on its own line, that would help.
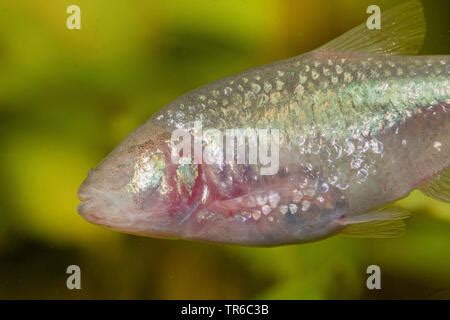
(402, 31)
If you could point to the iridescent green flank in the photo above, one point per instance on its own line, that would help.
(363, 95)
(335, 94)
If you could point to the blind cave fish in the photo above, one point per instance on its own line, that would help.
(331, 138)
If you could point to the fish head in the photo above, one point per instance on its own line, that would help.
(132, 189)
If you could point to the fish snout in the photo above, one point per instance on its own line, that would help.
(85, 190)
(100, 206)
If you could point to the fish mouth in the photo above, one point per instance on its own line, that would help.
(101, 207)
(91, 202)
(87, 207)
(100, 212)
(84, 195)
(87, 210)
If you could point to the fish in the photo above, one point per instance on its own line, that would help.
(352, 126)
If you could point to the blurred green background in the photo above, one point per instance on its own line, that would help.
(67, 97)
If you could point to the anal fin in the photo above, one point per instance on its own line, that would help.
(386, 223)
(438, 187)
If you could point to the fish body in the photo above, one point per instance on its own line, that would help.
(357, 129)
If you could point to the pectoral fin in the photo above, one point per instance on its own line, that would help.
(439, 186)
(385, 223)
